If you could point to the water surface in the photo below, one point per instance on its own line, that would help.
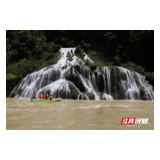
(22, 114)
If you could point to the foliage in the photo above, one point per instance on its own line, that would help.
(129, 45)
(10, 77)
(57, 47)
(48, 56)
(86, 46)
(134, 67)
(117, 59)
(69, 56)
(29, 50)
(78, 52)
(97, 58)
(150, 77)
(11, 82)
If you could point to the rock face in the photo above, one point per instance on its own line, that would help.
(71, 79)
(74, 91)
(86, 96)
(142, 91)
(83, 97)
(91, 96)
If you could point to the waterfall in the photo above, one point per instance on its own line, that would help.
(71, 79)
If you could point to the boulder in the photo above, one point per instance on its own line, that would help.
(77, 67)
(142, 91)
(91, 96)
(74, 91)
(83, 96)
(86, 96)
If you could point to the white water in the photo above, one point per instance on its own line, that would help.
(104, 83)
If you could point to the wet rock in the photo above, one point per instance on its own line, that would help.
(83, 97)
(91, 96)
(142, 92)
(100, 82)
(77, 67)
(74, 91)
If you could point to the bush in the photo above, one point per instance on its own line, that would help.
(11, 81)
(96, 59)
(150, 77)
(86, 47)
(11, 69)
(51, 61)
(134, 67)
(48, 56)
(57, 47)
(78, 50)
(10, 77)
(110, 36)
(79, 53)
(94, 53)
(21, 68)
(88, 63)
(117, 60)
(50, 47)
(109, 63)
(38, 49)
(71, 43)
(69, 56)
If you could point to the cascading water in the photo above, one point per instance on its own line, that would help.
(71, 79)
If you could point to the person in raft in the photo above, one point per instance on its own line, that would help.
(43, 96)
(46, 96)
(35, 97)
(40, 96)
(50, 97)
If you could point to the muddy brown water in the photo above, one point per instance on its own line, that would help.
(22, 114)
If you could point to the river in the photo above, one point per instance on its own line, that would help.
(22, 114)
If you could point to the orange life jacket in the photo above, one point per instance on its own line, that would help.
(40, 96)
(50, 97)
(35, 96)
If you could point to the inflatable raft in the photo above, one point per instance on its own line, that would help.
(46, 100)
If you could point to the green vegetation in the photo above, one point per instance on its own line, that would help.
(30, 50)
(97, 58)
(150, 77)
(134, 67)
(69, 56)
(10, 77)
(138, 68)
(74, 91)
(79, 53)
(117, 59)
(26, 66)
(11, 81)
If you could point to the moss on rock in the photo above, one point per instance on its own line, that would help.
(91, 96)
(74, 91)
